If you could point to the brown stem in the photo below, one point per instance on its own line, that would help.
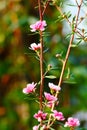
(72, 128)
(45, 7)
(59, 9)
(66, 59)
(41, 70)
(61, 75)
(41, 56)
(79, 34)
(40, 10)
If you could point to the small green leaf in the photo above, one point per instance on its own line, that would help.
(68, 74)
(68, 35)
(50, 77)
(60, 123)
(73, 45)
(69, 82)
(77, 44)
(51, 128)
(71, 5)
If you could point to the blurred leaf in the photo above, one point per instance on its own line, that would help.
(50, 77)
(81, 129)
(70, 81)
(71, 5)
(51, 128)
(76, 44)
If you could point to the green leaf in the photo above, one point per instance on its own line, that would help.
(81, 129)
(71, 5)
(77, 44)
(51, 128)
(73, 45)
(68, 35)
(50, 77)
(60, 123)
(67, 15)
(69, 82)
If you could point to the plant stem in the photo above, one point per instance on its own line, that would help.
(66, 59)
(69, 47)
(41, 56)
(40, 10)
(63, 15)
(41, 70)
(46, 4)
(72, 128)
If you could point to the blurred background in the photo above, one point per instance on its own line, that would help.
(19, 65)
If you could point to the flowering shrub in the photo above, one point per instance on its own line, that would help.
(50, 99)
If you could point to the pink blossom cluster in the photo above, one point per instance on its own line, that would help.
(36, 127)
(38, 26)
(40, 116)
(54, 87)
(29, 88)
(58, 115)
(72, 122)
(50, 99)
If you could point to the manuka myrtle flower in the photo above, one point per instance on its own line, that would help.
(29, 88)
(50, 97)
(54, 87)
(58, 115)
(36, 127)
(38, 26)
(49, 104)
(35, 46)
(40, 116)
(72, 122)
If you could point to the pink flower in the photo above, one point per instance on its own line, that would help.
(30, 88)
(54, 87)
(38, 26)
(43, 127)
(49, 104)
(40, 116)
(72, 122)
(36, 127)
(58, 115)
(35, 46)
(50, 97)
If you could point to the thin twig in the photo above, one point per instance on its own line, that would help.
(78, 33)
(72, 128)
(40, 9)
(62, 14)
(45, 7)
(66, 59)
(41, 56)
(77, 2)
